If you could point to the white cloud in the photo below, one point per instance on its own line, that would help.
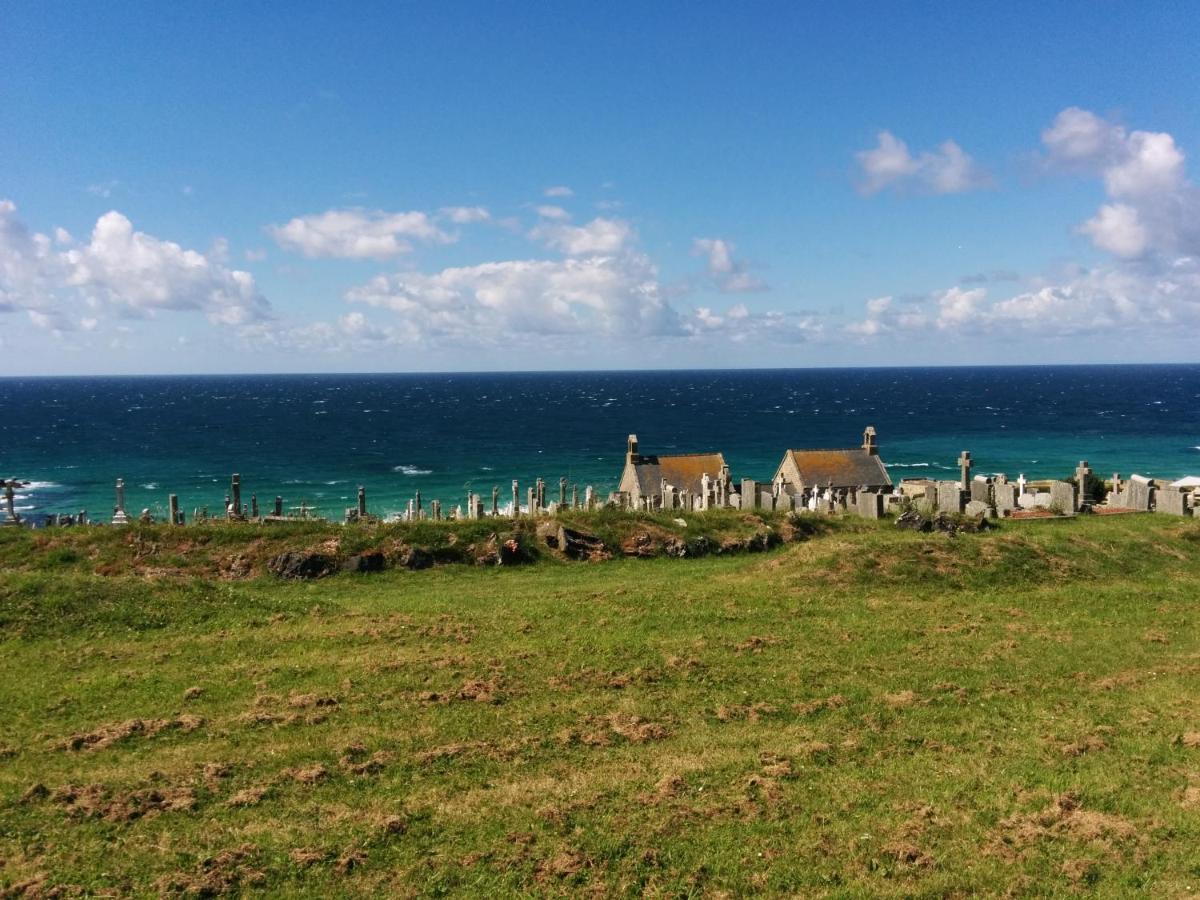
(727, 273)
(1158, 212)
(553, 212)
(357, 233)
(600, 295)
(128, 271)
(560, 190)
(464, 215)
(103, 189)
(948, 170)
(600, 235)
(1117, 229)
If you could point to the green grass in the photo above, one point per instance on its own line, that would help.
(868, 712)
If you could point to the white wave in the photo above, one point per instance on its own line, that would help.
(150, 486)
(909, 465)
(42, 485)
(411, 470)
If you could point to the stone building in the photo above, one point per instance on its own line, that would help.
(819, 470)
(684, 481)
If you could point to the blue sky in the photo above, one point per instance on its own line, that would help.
(449, 186)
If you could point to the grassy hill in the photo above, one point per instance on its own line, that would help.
(866, 711)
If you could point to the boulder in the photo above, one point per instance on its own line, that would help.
(301, 565)
(913, 521)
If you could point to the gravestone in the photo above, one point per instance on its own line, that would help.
(1138, 493)
(949, 497)
(279, 507)
(1062, 496)
(173, 508)
(766, 500)
(981, 489)
(1082, 472)
(120, 517)
(1006, 497)
(362, 502)
(495, 500)
(531, 500)
(516, 499)
(254, 505)
(589, 497)
(964, 468)
(749, 493)
(562, 492)
(1021, 483)
(869, 505)
(235, 491)
(1173, 502)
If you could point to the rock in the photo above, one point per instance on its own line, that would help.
(301, 565)
(641, 544)
(913, 521)
(371, 561)
(485, 553)
(762, 540)
(414, 558)
(580, 545)
(977, 508)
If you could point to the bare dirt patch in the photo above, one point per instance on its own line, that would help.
(97, 801)
(1064, 819)
(107, 735)
(225, 873)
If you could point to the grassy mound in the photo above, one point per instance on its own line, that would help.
(866, 712)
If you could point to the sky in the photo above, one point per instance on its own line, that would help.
(454, 186)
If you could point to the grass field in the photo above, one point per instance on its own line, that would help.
(867, 712)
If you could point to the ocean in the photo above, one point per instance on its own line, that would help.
(314, 439)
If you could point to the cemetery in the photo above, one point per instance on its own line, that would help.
(829, 482)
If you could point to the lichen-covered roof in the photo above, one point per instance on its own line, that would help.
(841, 468)
(682, 472)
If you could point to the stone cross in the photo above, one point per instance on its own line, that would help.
(362, 502)
(119, 515)
(10, 510)
(1082, 471)
(964, 466)
(1021, 482)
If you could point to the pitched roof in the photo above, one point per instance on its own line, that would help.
(842, 468)
(682, 472)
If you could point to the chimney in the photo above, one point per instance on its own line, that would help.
(869, 445)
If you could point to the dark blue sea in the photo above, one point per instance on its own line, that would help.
(315, 438)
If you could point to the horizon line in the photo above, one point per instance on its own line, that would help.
(629, 371)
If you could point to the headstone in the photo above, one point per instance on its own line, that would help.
(981, 489)
(1062, 496)
(235, 491)
(950, 497)
(173, 508)
(279, 507)
(1082, 472)
(562, 492)
(1172, 501)
(436, 508)
(254, 505)
(417, 503)
(1138, 493)
(964, 467)
(531, 500)
(589, 497)
(119, 515)
(766, 500)
(541, 494)
(869, 505)
(574, 496)
(749, 493)
(516, 498)
(1021, 482)
(1006, 497)
(1027, 501)
(495, 500)
(362, 502)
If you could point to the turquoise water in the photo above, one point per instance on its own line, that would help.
(315, 438)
